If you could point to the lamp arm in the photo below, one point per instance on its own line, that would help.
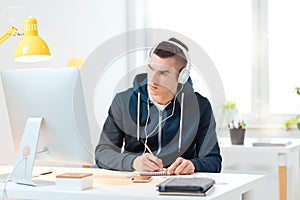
(13, 31)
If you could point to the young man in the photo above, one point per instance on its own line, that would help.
(161, 122)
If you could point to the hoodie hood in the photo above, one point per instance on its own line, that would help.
(139, 85)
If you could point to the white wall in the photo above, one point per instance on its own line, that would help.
(72, 28)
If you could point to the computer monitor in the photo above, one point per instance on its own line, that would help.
(47, 117)
(7, 152)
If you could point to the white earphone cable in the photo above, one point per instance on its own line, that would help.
(148, 116)
(180, 125)
(138, 117)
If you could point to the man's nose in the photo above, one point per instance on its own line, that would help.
(154, 77)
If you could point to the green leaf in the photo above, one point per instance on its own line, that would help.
(298, 90)
(289, 123)
(230, 105)
(298, 118)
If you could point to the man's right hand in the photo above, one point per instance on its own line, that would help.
(148, 163)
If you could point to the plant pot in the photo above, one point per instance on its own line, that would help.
(237, 136)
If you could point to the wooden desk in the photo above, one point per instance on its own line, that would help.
(285, 158)
(228, 186)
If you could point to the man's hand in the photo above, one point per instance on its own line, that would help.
(148, 163)
(181, 166)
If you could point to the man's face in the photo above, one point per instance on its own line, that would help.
(162, 78)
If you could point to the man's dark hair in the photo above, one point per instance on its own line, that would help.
(166, 49)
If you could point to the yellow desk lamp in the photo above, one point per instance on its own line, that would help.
(76, 62)
(31, 48)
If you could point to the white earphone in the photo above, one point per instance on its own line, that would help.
(185, 72)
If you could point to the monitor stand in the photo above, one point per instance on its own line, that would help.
(22, 170)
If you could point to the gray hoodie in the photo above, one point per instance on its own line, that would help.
(185, 128)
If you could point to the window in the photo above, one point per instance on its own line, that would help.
(254, 45)
(284, 51)
(222, 30)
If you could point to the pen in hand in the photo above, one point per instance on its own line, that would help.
(146, 146)
(153, 158)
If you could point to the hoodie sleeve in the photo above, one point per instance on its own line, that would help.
(207, 148)
(108, 153)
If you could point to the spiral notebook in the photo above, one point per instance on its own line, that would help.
(161, 173)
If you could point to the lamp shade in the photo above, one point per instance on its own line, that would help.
(31, 48)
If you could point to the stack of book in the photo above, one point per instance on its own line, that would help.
(186, 186)
(272, 142)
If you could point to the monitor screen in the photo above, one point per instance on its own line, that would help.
(48, 104)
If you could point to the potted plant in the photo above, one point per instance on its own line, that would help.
(231, 111)
(237, 128)
(295, 120)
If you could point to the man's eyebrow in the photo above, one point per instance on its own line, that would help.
(161, 71)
